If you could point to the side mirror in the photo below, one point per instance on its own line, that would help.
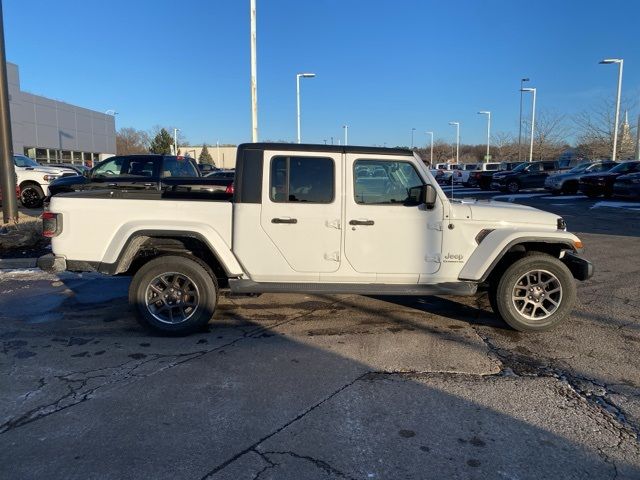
(423, 194)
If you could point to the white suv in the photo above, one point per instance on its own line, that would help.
(34, 178)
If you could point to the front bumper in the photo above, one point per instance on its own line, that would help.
(626, 190)
(580, 268)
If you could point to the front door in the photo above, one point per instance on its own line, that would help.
(385, 234)
(302, 212)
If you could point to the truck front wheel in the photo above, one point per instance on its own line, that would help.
(174, 295)
(535, 293)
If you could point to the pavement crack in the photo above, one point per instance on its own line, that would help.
(301, 415)
(321, 464)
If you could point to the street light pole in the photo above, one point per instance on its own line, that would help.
(533, 120)
(431, 160)
(175, 141)
(7, 168)
(488, 114)
(303, 75)
(522, 80)
(457, 125)
(412, 130)
(620, 63)
(346, 133)
(254, 76)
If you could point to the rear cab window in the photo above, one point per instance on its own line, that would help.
(302, 179)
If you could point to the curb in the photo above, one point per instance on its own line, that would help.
(6, 263)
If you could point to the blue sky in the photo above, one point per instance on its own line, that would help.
(383, 67)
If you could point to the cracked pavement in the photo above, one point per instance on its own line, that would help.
(321, 387)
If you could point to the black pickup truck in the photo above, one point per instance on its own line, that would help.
(525, 175)
(166, 173)
(483, 179)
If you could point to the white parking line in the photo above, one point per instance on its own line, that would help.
(613, 204)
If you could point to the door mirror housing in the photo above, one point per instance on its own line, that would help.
(423, 194)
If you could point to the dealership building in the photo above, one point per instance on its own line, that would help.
(52, 131)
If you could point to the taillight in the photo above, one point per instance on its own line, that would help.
(51, 224)
(229, 189)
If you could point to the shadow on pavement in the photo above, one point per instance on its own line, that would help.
(249, 399)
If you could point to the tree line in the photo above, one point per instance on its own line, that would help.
(158, 140)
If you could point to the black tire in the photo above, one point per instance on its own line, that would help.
(522, 315)
(513, 186)
(187, 281)
(31, 196)
(570, 188)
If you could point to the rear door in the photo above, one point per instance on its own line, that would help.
(301, 214)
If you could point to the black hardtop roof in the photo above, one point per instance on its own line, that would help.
(308, 147)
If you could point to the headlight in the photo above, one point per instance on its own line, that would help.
(50, 178)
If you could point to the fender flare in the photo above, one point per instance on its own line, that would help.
(480, 264)
(134, 241)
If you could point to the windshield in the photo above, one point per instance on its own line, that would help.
(22, 161)
(520, 167)
(625, 167)
(581, 168)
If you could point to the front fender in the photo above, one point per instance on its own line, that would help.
(495, 245)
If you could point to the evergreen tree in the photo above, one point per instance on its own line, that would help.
(161, 143)
(205, 156)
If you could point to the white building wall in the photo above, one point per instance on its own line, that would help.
(40, 122)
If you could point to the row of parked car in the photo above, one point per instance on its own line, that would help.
(599, 178)
(36, 182)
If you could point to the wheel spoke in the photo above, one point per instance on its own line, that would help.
(169, 306)
(537, 294)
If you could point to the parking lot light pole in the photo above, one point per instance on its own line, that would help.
(457, 125)
(431, 157)
(533, 120)
(254, 75)
(488, 114)
(346, 134)
(175, 141)
(620, 62)
(522, 80)
(412, 131)
(298, 76)
(7, 168)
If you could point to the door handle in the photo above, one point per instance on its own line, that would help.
(361, 222)
(284, 220)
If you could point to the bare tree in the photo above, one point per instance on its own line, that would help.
(550, 136)
(129, 140)
(504, 147)
(595, 132)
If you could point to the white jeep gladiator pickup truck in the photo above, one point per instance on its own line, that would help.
(318, 219)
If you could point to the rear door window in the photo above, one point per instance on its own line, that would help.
(302, 179)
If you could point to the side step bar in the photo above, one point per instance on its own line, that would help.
(451, 288)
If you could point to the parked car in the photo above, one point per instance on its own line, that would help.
(206, 168)
(442, 177)
(72, 167)
(33, 179)
(462, 174)
(595, 184)
(222, 174)
(470, 178)
(297, 225)
(484, 178)
(526, 175)
(568, 182)
(627, 185)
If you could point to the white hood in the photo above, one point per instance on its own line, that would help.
(503, 212)
(47, 170)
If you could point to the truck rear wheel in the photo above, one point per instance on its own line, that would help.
(174, 294)
(535, 293)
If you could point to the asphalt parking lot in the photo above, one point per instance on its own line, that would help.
(328, 387)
